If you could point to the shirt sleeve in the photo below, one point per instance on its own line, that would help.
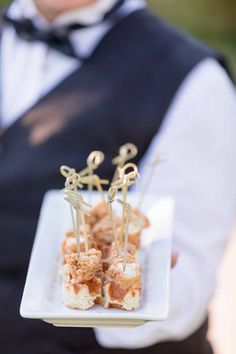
(198, 138)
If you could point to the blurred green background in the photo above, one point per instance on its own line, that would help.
(213, 21)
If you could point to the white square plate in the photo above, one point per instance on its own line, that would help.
(42, 297)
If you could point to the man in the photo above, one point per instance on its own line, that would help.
(79, 75)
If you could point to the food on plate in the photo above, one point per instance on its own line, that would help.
(82, 279)
(139, 219)
(101, 251)
(113, 253)
(134, 234)
(98, 212)
(70, 243)
(103, 231)
(123, 286)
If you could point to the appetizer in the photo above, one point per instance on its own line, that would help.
(123, 286)
(112, 253)
(82, 279)
(103, 231)
(134, 234)
(101, 251)
(70, 244)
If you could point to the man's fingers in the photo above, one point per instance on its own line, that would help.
(174, 258)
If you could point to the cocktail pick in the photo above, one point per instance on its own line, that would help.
(69, 197)
(75, 200)
(159, 159)
(96, 181)
(66, 172)
(128, 212)
(76, 181)
(94, 160)
(126, 179)
(110, 199)
(126, 152)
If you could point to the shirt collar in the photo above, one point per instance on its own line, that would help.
(84, 41)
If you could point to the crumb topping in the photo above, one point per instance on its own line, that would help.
(84, 268)
(130, 277)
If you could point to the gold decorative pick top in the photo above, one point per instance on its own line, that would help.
(126, 179)
(76, 181)
(126, 152)
(67, 171)
(159, 159)
(94, 160)
(73, 182)
(110, 199)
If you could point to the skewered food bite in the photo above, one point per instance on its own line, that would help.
(98, 212)
(134, 234)
(70, 244)
(103, 231)
(82, 279)
(100, 253)
(131, 250)
(139, 219)
(112, 253)
(123, 286)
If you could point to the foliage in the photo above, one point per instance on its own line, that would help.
(213, 21)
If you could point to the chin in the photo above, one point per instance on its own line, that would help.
(59, 6)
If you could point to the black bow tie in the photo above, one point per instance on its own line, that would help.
(56, 38)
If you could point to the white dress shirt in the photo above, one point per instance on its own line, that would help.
(198, 138)
(38, 69)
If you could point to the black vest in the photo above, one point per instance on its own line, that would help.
(120, 94)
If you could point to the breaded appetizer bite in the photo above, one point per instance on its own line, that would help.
(82, 280)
